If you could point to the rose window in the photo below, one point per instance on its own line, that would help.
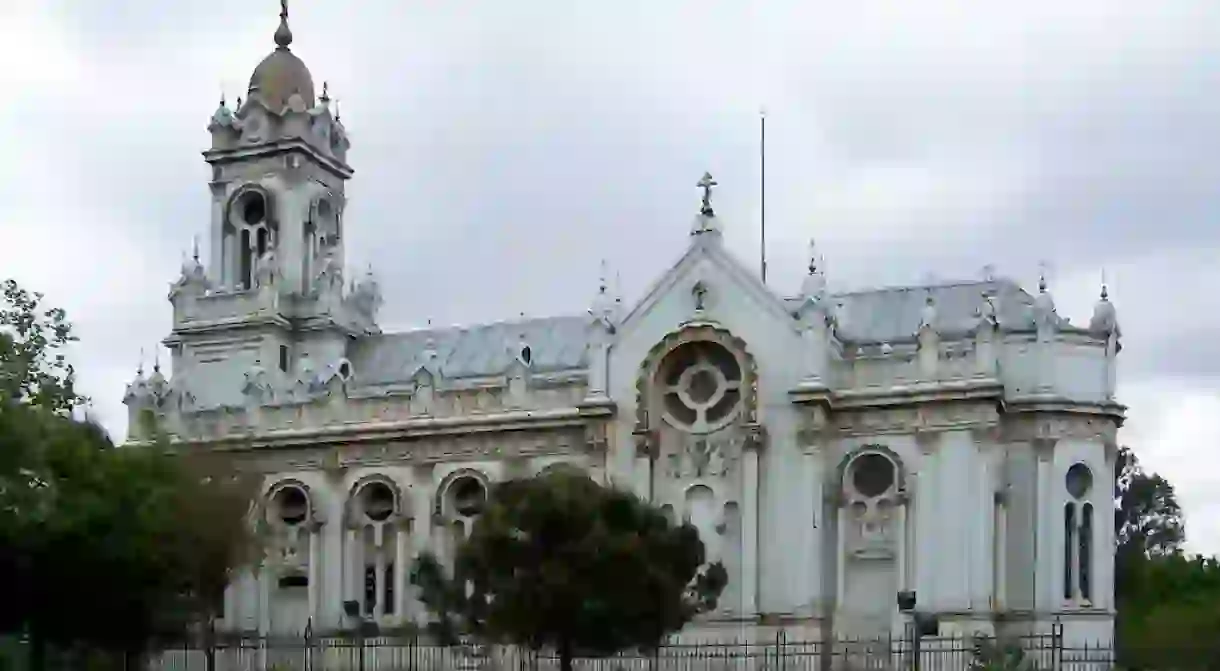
(701, 386)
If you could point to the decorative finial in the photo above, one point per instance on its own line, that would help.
(157, 360)
(239, 102)
(1105, 292)
(195, 248)
(337, 110)
(283, 36)
(325, 98)
(813, 257)
(601, 280)
(706, 183)
(1042, 277)
(223, 102)
(140, 367)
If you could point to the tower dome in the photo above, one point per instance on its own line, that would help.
(281, 74)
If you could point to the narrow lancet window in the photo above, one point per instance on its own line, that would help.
(1085, 555)
(1069, 529)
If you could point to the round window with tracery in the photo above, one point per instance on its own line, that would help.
(701, 386)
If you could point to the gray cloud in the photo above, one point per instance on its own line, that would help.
(503, 149)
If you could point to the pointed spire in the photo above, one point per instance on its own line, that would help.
(140, 366)
(1042, 277)
(223, 102)
(1105, 293)
(325, 97)
(283, 35)
(195, 248)
(337, 117)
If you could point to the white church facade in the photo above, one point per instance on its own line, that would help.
(955, 440)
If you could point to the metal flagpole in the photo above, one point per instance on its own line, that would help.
(762, 155)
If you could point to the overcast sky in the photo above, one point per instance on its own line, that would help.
(502, 148)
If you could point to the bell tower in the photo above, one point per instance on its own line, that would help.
(271, 292)
(279, 165)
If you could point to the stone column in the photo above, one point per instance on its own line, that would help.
(750, 519)
(264, 599)
(1001, 552)
(401, 560)
(646, 449)
(379, 571)
(840, 552)
(315, 541)
(813, 557)
(351, 573)
(1048, 553)
(900, 536)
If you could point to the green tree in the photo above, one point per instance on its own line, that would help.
(561, 562)
(100, 547)
(1148, 520)
(34, 368)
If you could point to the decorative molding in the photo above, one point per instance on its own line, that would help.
(401, 504)
(596, 436)
(423, 451)
(919, 420)
(1038, 426)
(442, 489)
(688, 333)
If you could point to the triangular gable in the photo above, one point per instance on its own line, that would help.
(707, 247)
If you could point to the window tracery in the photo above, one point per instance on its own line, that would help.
(700, 382)
(1078, 523)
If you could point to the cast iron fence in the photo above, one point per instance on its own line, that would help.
(1044, 652)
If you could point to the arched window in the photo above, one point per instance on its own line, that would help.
(1078, 535)
(251, 230)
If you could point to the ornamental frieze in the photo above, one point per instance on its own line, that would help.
(470, 447)
(1021, 428)
(931, 418)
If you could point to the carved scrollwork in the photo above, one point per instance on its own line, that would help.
(1060, 427)
(596, 438)
(921, 419)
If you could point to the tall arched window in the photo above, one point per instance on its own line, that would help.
(1078, 535)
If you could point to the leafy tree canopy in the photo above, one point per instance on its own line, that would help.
(100, 546)
(562, 562)
(1148, 520)
(33, 364)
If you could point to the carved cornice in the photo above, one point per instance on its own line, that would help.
(426, 451)
(413, 428)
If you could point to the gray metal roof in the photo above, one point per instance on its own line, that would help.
(560, 343)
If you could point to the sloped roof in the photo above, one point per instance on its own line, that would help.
(889, 314)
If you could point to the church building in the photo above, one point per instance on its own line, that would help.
(954, 442)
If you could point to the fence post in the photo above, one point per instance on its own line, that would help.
(779, 650)
(1057, 644)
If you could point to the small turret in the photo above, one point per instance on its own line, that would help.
(928, 339)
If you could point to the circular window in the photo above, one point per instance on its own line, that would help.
(872, 475)
(291, 506)
(378, 501)
(701, 386)
(1079, 481)
(253, 208)
(469, 496)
